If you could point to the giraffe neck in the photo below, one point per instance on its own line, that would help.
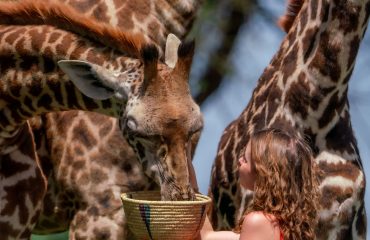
(154, 19)
(31, 84)
(312, 69)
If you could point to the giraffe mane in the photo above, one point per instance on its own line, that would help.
(285, 22)
(38, 12)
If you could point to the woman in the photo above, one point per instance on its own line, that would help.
(280, 169)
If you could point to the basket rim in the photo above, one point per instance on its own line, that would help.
(201, 199)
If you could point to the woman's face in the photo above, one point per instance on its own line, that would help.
(247, 170)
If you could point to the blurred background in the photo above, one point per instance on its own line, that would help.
(235, 40)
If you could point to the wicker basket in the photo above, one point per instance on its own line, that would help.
(152, 219)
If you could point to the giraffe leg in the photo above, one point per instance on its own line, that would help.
(22, 188)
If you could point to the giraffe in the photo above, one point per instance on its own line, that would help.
(152, 100)
(101, 218)
(304, 89)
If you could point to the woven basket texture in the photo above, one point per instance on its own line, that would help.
(148, 218)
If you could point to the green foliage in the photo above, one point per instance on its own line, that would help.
(57, 236)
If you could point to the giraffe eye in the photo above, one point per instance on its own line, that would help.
(131, 124)
(162, 152)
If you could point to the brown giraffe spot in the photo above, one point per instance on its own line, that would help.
(102, 233)
(84, 6)
(330, 111)
(303, 21)
(26, 233)
(353, 49)
(93, 211)
(81, 222)
(314, 8)
(318, 94)
(340, 136)
(141, 13)
(92, 105)
(326, 58)
(153, 28)
(361, 221)
(297, 97)
(16, 115)
(346, 170)
(29, 63)
(348, 77)
(7, 62)
(289, 63)
(292, 36)
(54, 36)
(84, 179)
(48, 52)
(55, 87)
(258, 120)
(92, 56)
(14, 35)
(332, 194)
(100, 12)
(322, 227)
(282, 123)
(98, 176)
(104, 199)
(79, 165)
(38, 37)
(324, 11)
(78, 151)
(10, 167)
(78, 51)
(127, 167)
(64, 44)
(22, 190)
(308, 42)
(60, 123)
(71, 96)
(105, 129)
(45, 101)
(35, 89)
(49, 65)
(82, 133)
(20, 45)
(347, 15)
(344, 234)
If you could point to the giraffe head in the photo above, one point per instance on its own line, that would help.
(160, 119)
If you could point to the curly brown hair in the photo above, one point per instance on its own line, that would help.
(286, 183)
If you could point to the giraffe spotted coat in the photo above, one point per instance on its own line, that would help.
(126, 78)
(304, 89)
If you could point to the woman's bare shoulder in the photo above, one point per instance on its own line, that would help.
(259, 225)
(258, 218)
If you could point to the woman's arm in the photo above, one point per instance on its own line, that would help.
(259, 226)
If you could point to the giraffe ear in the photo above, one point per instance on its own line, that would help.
(92, 80)
(172, 45)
